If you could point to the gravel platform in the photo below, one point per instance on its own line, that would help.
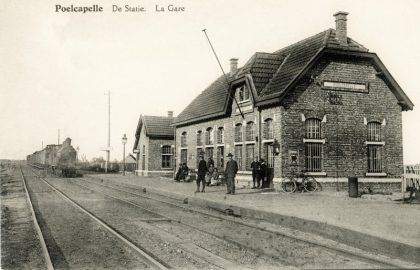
(20, 245)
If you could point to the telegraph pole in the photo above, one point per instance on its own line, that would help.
(58, 142)
(109, 132)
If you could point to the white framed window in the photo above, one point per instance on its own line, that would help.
(374, 132)
(184, 139)
(209, 136)
(313, 145)
(184, 156)
(166, 156)
(268, 129)
(220, 158)
(220, 135)
(238, 156)
(250, 153)
(209, 152)
(238, 133)
(199, 138)
(250, 131)
(199, 153)
(374, 147)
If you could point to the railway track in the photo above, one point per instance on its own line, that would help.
(168, 221)
(54, 261)
(367, 260)
(349, 252)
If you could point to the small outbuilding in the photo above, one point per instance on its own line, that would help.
(154, 145)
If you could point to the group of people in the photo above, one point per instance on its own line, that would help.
(208, 168)
(183, 173)
(259, 174)
(208, 175)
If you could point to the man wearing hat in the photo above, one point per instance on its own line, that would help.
(230, 173)
(263, 174)
(201, 174)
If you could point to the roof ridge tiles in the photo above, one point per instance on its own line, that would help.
(301, 41)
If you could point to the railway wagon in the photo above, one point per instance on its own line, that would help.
(59, 159)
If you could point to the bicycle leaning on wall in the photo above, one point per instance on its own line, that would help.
(299, 181)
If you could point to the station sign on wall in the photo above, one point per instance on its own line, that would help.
(346, 86)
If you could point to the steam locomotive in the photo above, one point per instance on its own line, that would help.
(59, 159)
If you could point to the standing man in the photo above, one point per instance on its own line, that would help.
(263, 174)
(201, 174)
(255, 166)
(230, 173)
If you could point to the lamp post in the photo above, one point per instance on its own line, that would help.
(124, 141)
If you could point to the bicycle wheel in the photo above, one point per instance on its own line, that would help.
(288, 185)
(310, 184)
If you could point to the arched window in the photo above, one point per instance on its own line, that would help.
(199, 138)
(238, 133)
(313, 147)
(221, 135)
(184, 139)
(374, 131)
(313, 128)
(250, 131)
(209, 136)
(268, 130)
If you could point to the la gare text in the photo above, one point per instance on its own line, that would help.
(158, 8)
(116, 8)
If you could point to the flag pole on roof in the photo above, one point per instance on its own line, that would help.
(224, 74)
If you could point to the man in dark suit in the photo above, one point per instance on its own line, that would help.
(201, 174)
(263, 174)
(255, 166)
(230, 173)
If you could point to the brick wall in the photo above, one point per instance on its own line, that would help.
(228, 123)
(143, 153)
(152, 155)
(155, 154)
(345, 132)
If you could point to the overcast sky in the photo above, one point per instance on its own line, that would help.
(56, 67)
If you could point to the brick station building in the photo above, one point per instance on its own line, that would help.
(329, 103)
(154, 145)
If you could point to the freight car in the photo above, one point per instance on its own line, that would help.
(58, 159)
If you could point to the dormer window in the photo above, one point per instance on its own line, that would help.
(242, 93)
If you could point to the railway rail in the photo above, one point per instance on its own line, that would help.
(348, 252)
(304, 252)
(146, 260)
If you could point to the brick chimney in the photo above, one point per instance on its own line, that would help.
(233, 65)
(170, 113)
(341, 27)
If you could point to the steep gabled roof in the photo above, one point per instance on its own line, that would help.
(155, 126)
(210, 102)
(273, 74)
(262, 66)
